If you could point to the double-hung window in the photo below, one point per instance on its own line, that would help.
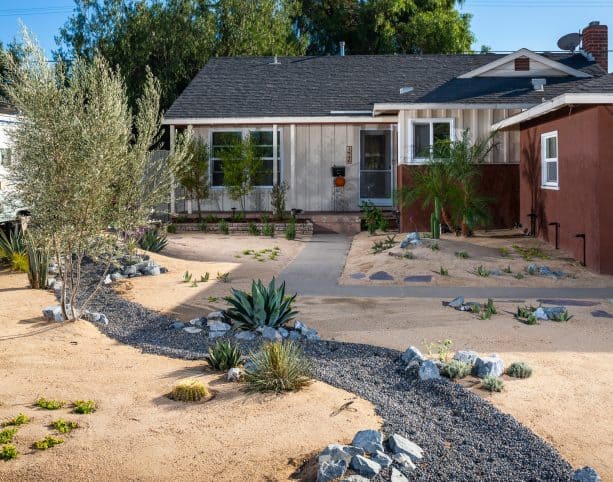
(262, 140)
(549, 160)
(425, 133)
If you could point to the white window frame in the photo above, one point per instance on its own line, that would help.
(430, 121)
(545, 184)
(244, 133)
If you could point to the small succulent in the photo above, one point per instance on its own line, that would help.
(20, 419)
(456, 369)
(7, 434)
(435, 247)
(519, 370)
(153, 241)
(205, 278)
(560, 316)
(49, 404)
(223, 277)
(84, 406)
(462, 254)
(492, 384)
(223, 356)
(507, 270)
(8, 452)
(64, 426)
(189, 391)
(482, 271)
(187, 277)
(48, 442)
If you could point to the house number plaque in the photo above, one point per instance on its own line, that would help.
(349, 155)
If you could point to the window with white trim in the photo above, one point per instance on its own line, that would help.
(549, 159)
(263, 140)
(425, 133)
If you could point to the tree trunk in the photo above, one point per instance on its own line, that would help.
(445, 219)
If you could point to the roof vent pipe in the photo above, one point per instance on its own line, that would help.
(275, 61)
(539, 84)
(342, 48)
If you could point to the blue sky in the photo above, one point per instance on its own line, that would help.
(501, 24)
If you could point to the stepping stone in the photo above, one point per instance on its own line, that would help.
(381, 276)
(357, 276)
(601, 314)
(418, 279)
(569, 302)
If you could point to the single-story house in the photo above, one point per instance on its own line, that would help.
(373, 118)
(8, 119)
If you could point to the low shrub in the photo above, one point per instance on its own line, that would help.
(492, 384)
(253, 229)
(530, 253)
(388, 243)
(189, 391)
(19, 262)
(290, 230)
(462, 254)
(48, 442)
(153, 241)
(49, 404)
(64, 426)
(171, 228)
(278, 367)
(488, 310)
(455, 369)
(264, 306)
(519, 370)
(268, 230)
(7, 434)
(519, 276)
(224, 227)
(482, 271)
(442, 348)
(84, 406)
(435, 247)
(223, 356)
(203, 226)
(525, 314)
(20, 419)
(8, 452)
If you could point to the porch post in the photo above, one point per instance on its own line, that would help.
(172, 176)
(275, 152)
(189, 201)
(292, 156)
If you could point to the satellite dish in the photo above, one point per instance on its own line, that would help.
(569, 41)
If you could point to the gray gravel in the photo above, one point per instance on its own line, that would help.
(464, 437)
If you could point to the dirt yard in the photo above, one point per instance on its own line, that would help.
(137, 433)
(493, 251)
(567, 401)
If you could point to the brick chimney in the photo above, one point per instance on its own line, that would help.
(595, 41)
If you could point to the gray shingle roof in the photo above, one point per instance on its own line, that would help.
(315, 86)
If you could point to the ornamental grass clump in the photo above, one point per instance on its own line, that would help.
(492, 384)
(224, 355)
(278, 367)
(456, 369)
(264, 306)
(189, 391)
(519, 370)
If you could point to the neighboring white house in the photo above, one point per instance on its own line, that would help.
(8, 120)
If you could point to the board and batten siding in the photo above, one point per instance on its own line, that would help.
(478, 121)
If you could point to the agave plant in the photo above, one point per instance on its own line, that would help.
(265, 306)
(152, 241)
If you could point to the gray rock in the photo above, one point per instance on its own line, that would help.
(415, 242)
(130, 270)
(192, 329)
(489, 366)
(312, 335)
(457, 302)
(369, 440)
(216, 316)
(397, 476)
(414, 236)
(355, 478)
(466, 356)
(585, 474)
(300, 326)
(429, 371)
(107, 280)
(116, 276)
(540, 314)
(54, 313)
(233, 375)
(135, 275)
(218, 326)
(103, 319)
(199, 322)
(411, 354)
(331, 470)
(269, 333)
(336, 452)
(283, 332)
(554, 311)
(177, 325)
(381, 276)
(402, 445)
(94, 317)
(153, 271)
(412, 368)
(404, 461)
(245, 335)
(216, 334)
(294, 335)
(545, 271)
(382, 459)
(495, 272)
(363, 466)
(532, 269)
(404, 244)
(163, 270)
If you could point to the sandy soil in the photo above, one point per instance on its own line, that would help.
(200, 253)
(567, 401)
(137, 433)
(483, 249)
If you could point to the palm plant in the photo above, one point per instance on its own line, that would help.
(265, 306)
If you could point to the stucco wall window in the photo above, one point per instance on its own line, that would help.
(264, 142)
(549, 160)
(425, 133)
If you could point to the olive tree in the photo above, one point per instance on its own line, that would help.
(84, 161)
(193, 173)
(242, 169)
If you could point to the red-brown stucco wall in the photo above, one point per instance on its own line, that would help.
(499, 182)
(583, 204)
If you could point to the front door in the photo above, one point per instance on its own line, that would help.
(376, 167)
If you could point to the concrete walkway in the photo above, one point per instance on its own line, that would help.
(316, 270)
